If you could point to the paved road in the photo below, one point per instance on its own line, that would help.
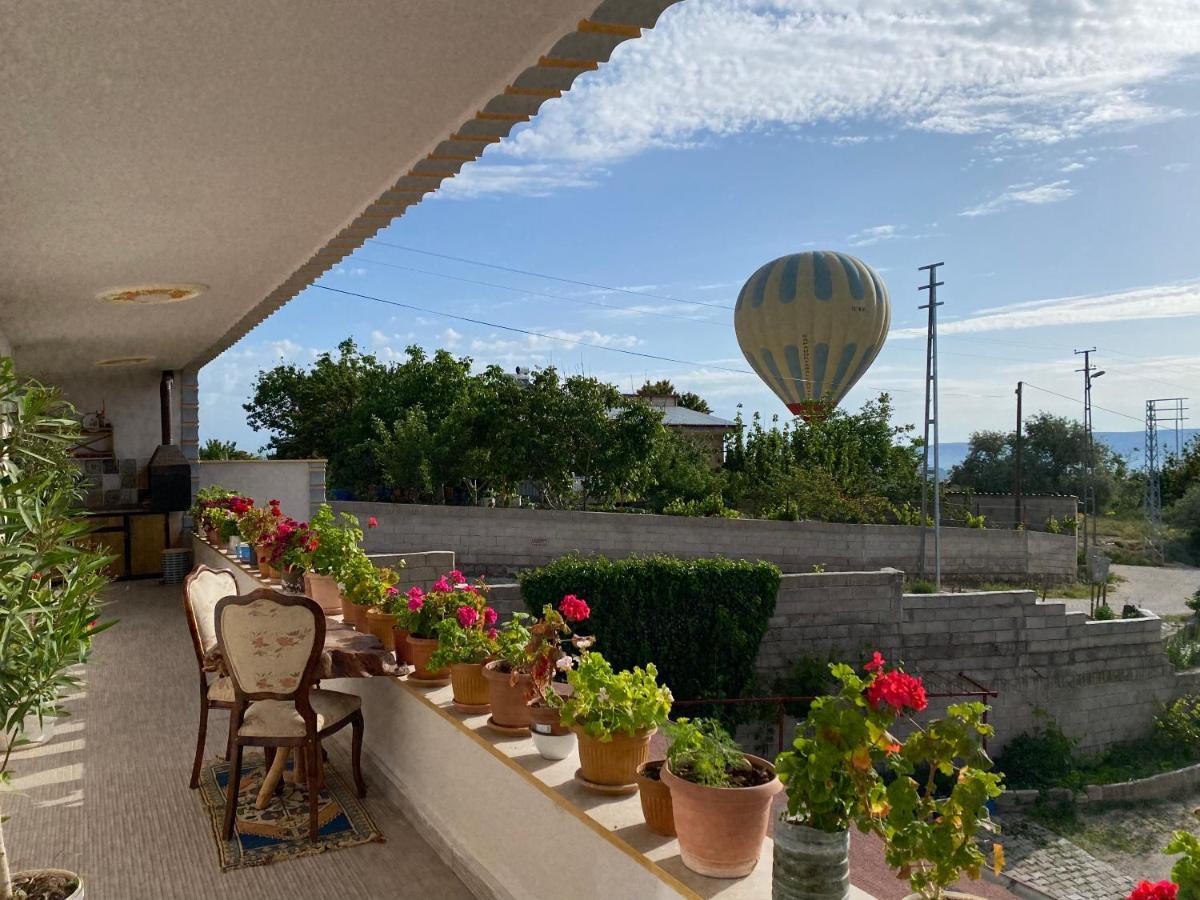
(1160, 590)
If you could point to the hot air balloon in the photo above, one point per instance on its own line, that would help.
(811, 324)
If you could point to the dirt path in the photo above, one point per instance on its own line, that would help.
(1161, 590)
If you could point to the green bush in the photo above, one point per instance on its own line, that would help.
(1104, 613)
(1038, 759)
(1183, 649)
(921, 586)
(700, 621)
(712, 505)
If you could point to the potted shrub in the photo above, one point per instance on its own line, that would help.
(421, 614)
(209, 498)
(549, 664)
(614, 715)
(360, 587)
(830, 775)
(50, 582)
(721, 798)
(379, 618)
(338, 539)
(465, 643)
(509, 683)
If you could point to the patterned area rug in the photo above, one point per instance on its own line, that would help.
(281, 830)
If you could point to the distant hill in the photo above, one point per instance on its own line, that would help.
(1125, 443)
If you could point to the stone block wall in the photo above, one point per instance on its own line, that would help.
(505, 541)
(420, 569)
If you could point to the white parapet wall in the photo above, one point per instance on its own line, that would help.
(298, 484)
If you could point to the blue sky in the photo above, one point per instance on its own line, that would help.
(1044, 151)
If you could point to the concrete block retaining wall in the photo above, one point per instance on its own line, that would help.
(419, 569)
(504, 541)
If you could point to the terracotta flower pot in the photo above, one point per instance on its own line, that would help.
(553, 739)
(212, 536)
(380, 624)
(420, 649)
(614, 763)
(656, 798)
(323, 589)
(355, 616)
(400, 642)
(469, 685)
(721, 830)
(263, 554)
(509, 709)
(810, 864)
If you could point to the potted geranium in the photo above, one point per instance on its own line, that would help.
(292, 546)
(209, 498)
(721, 798)
(422, 612)
(465, 643)
(50, 587)
(338, 538)
(360, 588)
(379, 618)
(257, 525)
(509, 683)
(549, 663)
(614, 715)
(831, 778)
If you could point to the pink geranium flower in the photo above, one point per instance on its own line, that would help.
(442, 586)
(492, 634)
(489, 616)
(467, 616)
(416, 598)
(456, 576)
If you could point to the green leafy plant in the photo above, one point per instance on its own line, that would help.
(700, 621)
(712, 505)
(1104, 613)
(1053, 526)
(1038, 759)
(604, 702)
(921, 586)
(207, 497)
(979, 521)
(363, 584)
(459, 644)
(421, 612)
(337, 540)
(1186, 871)
(1193, 603)
(1183, 648)
(50, 578)
(512, 642)
(700, 750)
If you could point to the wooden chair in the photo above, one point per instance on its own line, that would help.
(271, 644)
(202, 588)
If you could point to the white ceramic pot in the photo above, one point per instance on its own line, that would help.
(76, 894)
(554, 746)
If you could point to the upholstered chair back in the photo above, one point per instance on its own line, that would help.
(270, 642)
(201, 591)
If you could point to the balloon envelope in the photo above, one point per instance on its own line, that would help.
(811, 324)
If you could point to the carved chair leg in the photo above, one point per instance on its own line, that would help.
(356, 730)
(314, 787)
(231, 798)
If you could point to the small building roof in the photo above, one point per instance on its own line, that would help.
(681, 415)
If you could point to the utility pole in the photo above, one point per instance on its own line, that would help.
(1089, 499)
(1018, 519)
(1153, 459)
(931, 422)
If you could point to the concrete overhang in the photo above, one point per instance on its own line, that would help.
(243, 147)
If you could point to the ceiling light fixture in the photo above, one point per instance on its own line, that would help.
(151, 294)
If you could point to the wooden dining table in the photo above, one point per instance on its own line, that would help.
(346, 653)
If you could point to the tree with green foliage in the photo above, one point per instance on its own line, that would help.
(217, 449)
(1054, 453)
(1180, 471)
(665, 388)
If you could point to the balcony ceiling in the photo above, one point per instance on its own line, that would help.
(245, 146)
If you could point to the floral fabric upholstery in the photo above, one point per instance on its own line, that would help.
(280, 718)
(265, 645)
(203, 592)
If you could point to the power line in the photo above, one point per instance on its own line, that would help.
(549, 337)
(1076, 400)
(589, 284)
(532, 293)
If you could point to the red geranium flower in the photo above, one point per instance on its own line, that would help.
(876, 663)
(573, 608)
(372, 522)
(1154, 890)
(489, 616)
(467, 616)
(898, 691)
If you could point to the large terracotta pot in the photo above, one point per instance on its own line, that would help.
(810, 864)
(59, 875)
(509, 709)
(324, 589)
(420, 649)
(262, 553)
(380, 624)
(470, 687)
(721, 830)
(400, 641)
(355, 616)
(614, 763)
(656, 798)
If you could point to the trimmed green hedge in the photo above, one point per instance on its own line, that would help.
(700, 621)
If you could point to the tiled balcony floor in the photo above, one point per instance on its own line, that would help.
(108, 796)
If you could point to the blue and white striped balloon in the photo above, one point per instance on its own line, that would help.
(811, 324)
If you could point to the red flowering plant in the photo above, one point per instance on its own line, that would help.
(468, 636)
(1155, 890)
(257, 523)
(926, 797)
(538, 647)
(452, 599)
(292, 544)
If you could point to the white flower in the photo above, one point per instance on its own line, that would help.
(603, 695)
(565, 663)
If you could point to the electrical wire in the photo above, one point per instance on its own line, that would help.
(1076, 400)
(589, 284)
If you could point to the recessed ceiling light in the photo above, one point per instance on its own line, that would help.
(124, 361)
(149, 294)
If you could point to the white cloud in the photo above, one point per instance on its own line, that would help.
(1163, 301)
(1177, 167)
(1018, 70)
(451, 338)
(488, 177)
(1023, 195)
(874, 235)
(1072, 167)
